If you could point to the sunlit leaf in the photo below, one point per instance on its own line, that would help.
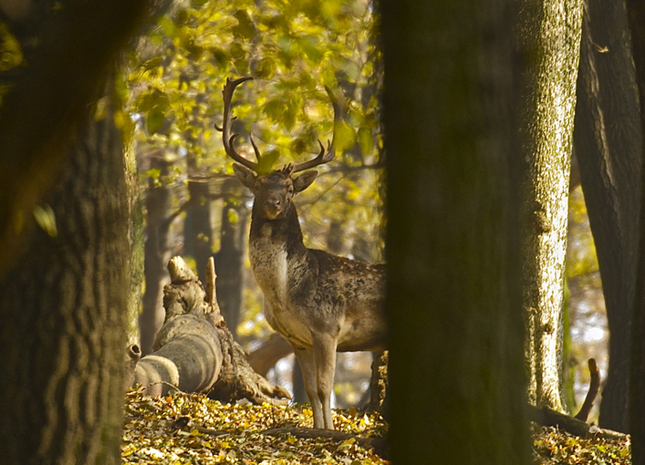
(46, 219)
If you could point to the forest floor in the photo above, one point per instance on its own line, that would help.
(192, 429)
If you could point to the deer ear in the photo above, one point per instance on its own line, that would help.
(304, 180)
(245, 175)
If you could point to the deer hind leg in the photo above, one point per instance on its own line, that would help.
(308, 367)
(325, 356)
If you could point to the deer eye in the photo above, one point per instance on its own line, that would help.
(290, 190)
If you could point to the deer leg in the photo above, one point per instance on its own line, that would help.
(325, 356)
(308, 367)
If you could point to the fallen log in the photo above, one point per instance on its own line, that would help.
(577, 425)
(194, 349)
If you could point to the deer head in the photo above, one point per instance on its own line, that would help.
(273, 192)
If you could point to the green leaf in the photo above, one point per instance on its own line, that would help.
(46, 219)
(10, 50)
(245, 27)
(366, 141)
(155, 119)
(345, 136)
(266, 68)
(168, 27)
(268, 161)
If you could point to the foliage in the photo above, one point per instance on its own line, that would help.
(219, 433)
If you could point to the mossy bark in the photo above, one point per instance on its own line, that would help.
(454, 269)
(550, 32)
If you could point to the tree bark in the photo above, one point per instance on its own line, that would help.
(197, 227)
(230, 257)
(63, 312)
(156, 254)
(609, 150)
(67, 52)
(551, 31)
(454, 289)
(636, 16)
(136, 234)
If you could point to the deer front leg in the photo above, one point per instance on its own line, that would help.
(325, 357)
(308, 368)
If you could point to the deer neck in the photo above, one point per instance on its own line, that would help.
(275, 249)
(283, 232)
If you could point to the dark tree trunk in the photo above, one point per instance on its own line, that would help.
(453, 296)
(636, 15)
(156, 254)
(609, 152)
(63, 313)
(66, 56)
(230, 257)
(197, 229)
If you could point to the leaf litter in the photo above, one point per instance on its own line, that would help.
(182, 428)
(192, 429)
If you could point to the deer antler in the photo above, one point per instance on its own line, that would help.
(323, 157)
(227, 137)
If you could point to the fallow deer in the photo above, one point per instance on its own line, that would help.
(319, 302)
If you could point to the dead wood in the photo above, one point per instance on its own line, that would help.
(576, 425)
(379, 445)
(594, 386)
(194, 349)
(546, 417)
(379, 383)
(267, 355)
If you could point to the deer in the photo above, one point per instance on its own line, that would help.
(319, 302)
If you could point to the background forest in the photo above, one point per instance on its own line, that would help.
(193, 205)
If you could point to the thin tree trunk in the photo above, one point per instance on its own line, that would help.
(230, 257)
(609, 151)
(136, 234)
(197, 230)
(156, 255)
(551, 30)
(454, 288)
(63, 313)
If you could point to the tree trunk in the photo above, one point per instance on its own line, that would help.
(63, 312)
(66, 58)
(197, 229)
(136, 234)
(551, 30)
(454, 288)
(156, 254)
(609, 151)
(636, 15)
(230, 257)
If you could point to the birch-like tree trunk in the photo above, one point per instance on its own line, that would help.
(551, 31)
